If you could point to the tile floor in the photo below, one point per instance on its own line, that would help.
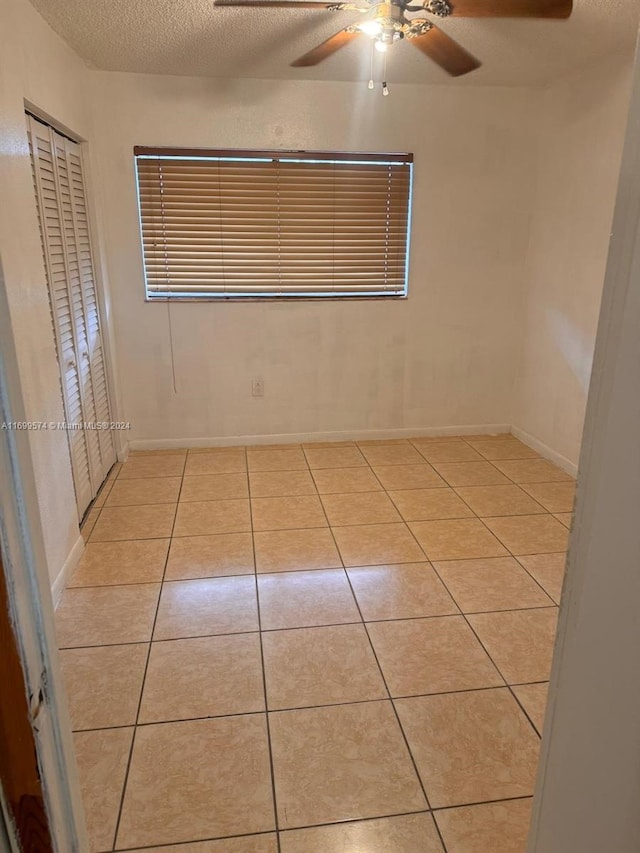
(309, 649)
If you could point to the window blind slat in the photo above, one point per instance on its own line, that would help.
(267, 224)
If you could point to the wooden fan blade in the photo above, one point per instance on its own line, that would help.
(322, 51)
(278, 4)
(511, 8)
(446, 52)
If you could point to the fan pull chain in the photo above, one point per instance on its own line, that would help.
(385, 88)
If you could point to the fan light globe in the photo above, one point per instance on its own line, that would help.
(381, 46)
(370, 28)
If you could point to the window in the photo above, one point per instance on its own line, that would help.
(248, 224)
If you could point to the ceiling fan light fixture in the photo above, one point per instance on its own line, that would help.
(371, 28)
(380, 46)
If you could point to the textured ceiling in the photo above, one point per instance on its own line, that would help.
(193, 37)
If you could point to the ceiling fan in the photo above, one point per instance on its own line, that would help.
(387, 23)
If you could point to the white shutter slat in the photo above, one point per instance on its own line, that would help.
(57, 170)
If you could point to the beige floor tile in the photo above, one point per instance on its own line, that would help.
(214, 487)
(375, 442)
(203, 677)
(103, 494)
(101, 616)
(89, 522)
(499, 583)
(377, 544)
(109, 563)
(423, 504)
(439, 655)
(151, 490)
(305, 599)
(210, 556)
(134, 522)
(392, 454)
(320, 666)
(202, 517)
(503, 448)
(533, 698)
(160, 451)
(456, 539)
(360, 508)
(341, 763)
(486, 501)
(266, 843)
(190, 795)
(413, 833)
(275, 484)
(334, 457)
(276, 446)
(218, 448)
(548, 570)
(470, 473)
(408, 477)
(564, 518)
(555, 497)
(292, 550)
(520, 642)
(205, 607)
(488, 828)
(155, 465)
(449, 451)
(287, 513)
(400, 592)
(530, 534)
(288, 459)
(533, 471)
(102, 758)
(470, 747)
(315, 445)
(342, 481)
(103, 684)
(220, 461)
(428, 440)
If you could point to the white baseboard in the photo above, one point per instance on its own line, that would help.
(309, 437)
(544, 449)
(59, 584)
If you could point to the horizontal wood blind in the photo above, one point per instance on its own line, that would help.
(273, 224)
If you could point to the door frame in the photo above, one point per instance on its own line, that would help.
(588, 786)
(30, 610)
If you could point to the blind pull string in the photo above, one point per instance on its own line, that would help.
(173, 360)
(167, 275)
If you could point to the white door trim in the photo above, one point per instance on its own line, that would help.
(31, 605)
(588, 789)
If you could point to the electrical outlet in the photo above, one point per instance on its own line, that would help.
(257, 388)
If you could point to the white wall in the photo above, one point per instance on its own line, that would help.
(37, 66)
(580, 140)
(445, 357)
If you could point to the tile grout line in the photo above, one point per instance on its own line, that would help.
(498, 670)
(164, 721)
(389, 698)
(510, 553)
(264, 671)
(385, 491)
(144, 675)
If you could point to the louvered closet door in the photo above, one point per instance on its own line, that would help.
(59, 186)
